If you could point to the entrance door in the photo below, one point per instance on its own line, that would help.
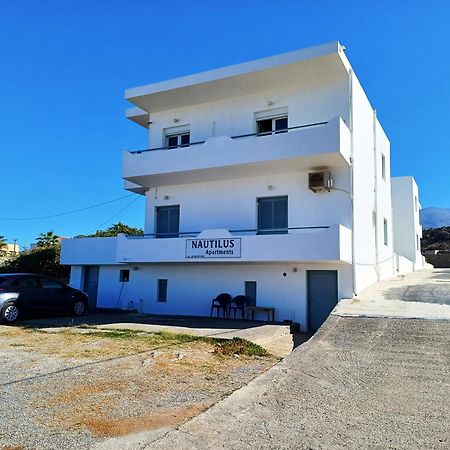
(90, 285)
(322, 296)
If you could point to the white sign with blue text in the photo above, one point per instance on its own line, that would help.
(213, 248)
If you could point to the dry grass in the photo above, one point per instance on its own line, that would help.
(139, 381)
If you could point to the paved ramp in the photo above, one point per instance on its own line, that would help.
(423, 295)
(359, 383)
(365, 380)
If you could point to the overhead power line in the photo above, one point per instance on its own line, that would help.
(69, 212)
(115, 215)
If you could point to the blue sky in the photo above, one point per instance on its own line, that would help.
(66, 64)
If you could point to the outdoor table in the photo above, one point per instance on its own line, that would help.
(268, 309)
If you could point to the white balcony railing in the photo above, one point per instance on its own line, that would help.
(325, 143)
(303, 244)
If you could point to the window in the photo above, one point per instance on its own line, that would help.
(272, 215)
(250, 292)
(272, 125)
(48, 283)
(415, 202)
(124, 276)
(162, 290)
(418, 242)
(385, 232)
(178, 140)
(383, 166)
(167, 221)
(27, 283)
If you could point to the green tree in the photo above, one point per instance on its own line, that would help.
(47, 239)
(43, 260)
(114, 230)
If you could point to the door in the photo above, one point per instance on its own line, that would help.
(322, 288)
(29, 293)
(54, 296)
(167, 221)
(90, 285)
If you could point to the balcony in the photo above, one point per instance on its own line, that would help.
(304, 244)
(325, 144)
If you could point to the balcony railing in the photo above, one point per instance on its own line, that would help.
(240, 136)
(243, 232)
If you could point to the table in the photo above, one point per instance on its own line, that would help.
(268, 309)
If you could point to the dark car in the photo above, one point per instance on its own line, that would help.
(26, 293)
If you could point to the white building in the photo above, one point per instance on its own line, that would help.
(269, 178)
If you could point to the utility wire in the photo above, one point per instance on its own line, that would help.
(70, 212)
(115, 215)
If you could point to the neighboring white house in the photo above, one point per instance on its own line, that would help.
(407, 228)
(255, 177)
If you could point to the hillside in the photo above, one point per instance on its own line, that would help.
(435, 217)
(436, 239)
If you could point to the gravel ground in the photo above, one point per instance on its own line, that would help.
(56, 395)
(359, 383)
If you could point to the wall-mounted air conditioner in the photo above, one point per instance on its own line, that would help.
(320, 181)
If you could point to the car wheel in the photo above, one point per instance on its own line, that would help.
(10, 313)
(79, 308)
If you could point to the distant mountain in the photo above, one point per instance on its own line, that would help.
(435, 217)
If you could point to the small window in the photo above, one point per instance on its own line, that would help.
(383, 166)
(250, 292)
(124, 276)
(48, 283)
(418, 242)
(167, 221)
(162, 290)
(178, 140)
(385, 232)
(273, 125)
(27, 283)
(273, 215)
(415, 202)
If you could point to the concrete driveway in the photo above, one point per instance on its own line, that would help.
(421, 295)
(360, 382)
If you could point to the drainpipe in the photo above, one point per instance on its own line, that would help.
(352, 160)
(375, 195)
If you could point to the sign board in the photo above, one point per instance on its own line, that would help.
(213, 248)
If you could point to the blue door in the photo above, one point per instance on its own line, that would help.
(322, 296)
(90, 285)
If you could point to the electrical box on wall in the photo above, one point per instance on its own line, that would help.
(320, 181)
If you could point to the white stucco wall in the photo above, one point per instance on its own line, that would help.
(373, 259)
(406, 207)
(233, 204)
(311, 101)
(192, 287)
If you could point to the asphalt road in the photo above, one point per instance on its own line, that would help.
(358, 383)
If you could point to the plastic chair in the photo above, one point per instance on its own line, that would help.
(238, 303)
(221, 302)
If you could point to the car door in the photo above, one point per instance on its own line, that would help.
(28, 288)
(53, 295)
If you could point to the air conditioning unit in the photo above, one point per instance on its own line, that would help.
(320, 181)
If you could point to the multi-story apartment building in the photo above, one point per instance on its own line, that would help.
(269, 178)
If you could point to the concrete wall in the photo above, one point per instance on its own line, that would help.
(312, 101)
(192, 287)
(372, 205)
(407, 229)
(233, 204)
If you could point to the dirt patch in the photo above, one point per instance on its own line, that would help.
(79, 386)
(113, 428)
